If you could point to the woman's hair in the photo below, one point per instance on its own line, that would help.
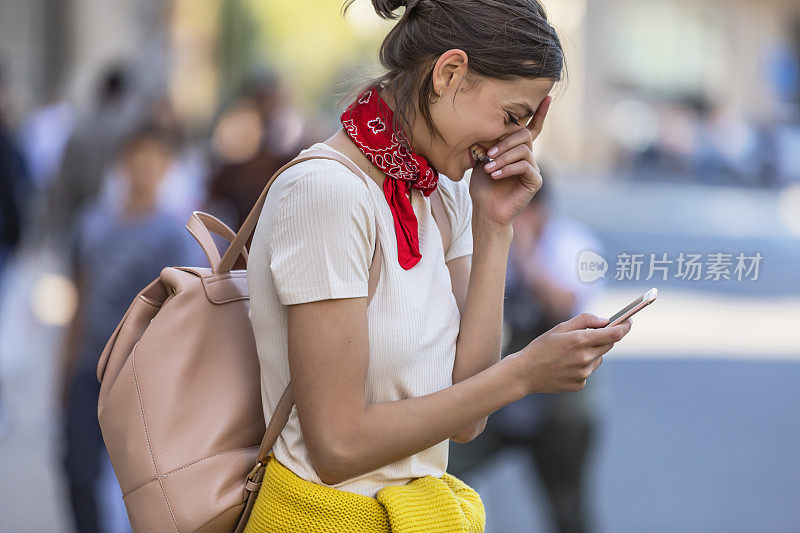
(504, 39)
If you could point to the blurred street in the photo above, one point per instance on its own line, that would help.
(686, 423)
(670, 158)
(728, 465)
(699, 403)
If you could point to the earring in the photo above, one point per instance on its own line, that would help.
(429, 97)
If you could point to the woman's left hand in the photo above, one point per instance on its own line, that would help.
(502, 190)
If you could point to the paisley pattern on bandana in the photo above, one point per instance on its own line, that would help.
(368, 121)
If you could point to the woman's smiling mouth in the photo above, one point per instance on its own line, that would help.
(478, 152)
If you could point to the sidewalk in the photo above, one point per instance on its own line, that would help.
(32, 493)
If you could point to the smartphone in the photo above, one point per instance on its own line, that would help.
(634, 307)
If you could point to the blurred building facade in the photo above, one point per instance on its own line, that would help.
(628, 61)
(57, 48)
(629, 58)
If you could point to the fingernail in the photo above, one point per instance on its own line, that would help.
(492, 152)
(490, 166)
(496, 173)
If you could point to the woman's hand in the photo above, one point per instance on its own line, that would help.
(563, 358)
(502, 188)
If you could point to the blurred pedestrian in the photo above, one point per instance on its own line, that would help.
(116, 250)
(255, 135)
(183, 189)
(14, 199)
(43, 135)
(88, 150)
(14, 188)
(543, 290)
(284, 126)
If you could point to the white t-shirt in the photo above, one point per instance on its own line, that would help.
(314, 241)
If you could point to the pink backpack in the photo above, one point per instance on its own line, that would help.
(180, 399)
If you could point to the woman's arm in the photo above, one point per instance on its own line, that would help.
(479, 339)
(345, 436)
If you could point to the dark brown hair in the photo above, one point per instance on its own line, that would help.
(504, 39)
(143, 133)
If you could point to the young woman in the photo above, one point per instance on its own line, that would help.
(381, 387)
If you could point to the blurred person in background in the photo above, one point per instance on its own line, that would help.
(672, 153)
(43, 136)
(13, 184)
(283, 124)
(14, 197)
(183, 189)
(254, 136)
(116, 250)
(730, 150)
(543, 290)
(88, 150)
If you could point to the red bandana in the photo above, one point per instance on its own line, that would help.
(368, 122)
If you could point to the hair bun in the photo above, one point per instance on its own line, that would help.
(386, 8)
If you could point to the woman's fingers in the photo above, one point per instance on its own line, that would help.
(522, 136)
(529, 175)
(526, 134)
(517, 153)
(596, 362)
(537, 122)
(605, 336)
(517, 161)
(601, 350)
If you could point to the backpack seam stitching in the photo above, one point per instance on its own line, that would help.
(148, 482)
(147, 436)
(169, 507)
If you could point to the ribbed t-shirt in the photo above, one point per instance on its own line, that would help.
(314, 240)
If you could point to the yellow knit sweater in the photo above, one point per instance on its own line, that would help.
(288, 503)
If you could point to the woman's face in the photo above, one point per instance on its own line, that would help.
(475, 111)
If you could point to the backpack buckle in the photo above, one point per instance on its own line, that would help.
(251, 476)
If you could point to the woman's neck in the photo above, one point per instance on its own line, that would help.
(416, 131)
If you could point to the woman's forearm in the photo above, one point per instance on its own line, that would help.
(388, 432)
(479, 340)
(478, 345)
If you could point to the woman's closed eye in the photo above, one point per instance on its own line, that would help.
(513, 119)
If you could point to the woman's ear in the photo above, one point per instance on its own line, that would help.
(449, 70)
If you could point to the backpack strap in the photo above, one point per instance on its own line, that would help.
(237, 246)
(201, 225)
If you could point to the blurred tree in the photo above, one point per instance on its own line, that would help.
(236, 45)
(313, 45)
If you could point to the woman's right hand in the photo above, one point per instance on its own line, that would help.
(563, 358)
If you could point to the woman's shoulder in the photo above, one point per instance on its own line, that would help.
(322, 181)
(322, 172)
